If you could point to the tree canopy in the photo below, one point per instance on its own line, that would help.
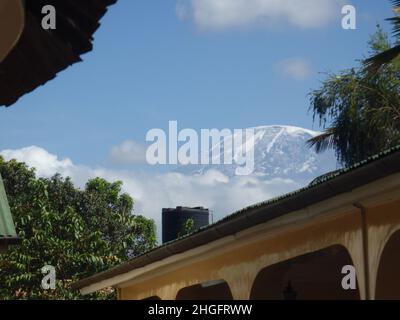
(359, 110)
(379, 59)
(79, 232)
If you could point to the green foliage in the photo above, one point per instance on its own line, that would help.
(390, 53)
(187, 227)
(360, 111)
(79, 232)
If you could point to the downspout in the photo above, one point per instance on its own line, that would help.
(364, 230)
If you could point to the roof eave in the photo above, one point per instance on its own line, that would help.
(372, 169)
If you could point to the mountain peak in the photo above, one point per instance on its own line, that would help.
(288, 129)
(280, 152)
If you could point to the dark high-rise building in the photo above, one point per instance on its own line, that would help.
(174, 220)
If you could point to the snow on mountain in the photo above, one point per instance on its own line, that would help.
(279, 152)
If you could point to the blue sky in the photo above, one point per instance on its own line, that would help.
(151, 65)
(205, 63)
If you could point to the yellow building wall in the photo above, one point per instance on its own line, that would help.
(383, 221)
(240, 265)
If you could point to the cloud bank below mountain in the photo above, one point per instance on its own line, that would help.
(152, 192)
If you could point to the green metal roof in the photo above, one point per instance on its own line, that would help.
(8, 235)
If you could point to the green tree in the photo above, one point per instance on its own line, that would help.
(187, 227)
(391, 53)
(79, 232)
(359, 111)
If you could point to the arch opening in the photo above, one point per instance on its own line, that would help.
(388, 277)
(313, 276)
(213, 290)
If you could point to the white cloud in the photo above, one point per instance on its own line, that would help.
(294, 68)
(151, 193)
(128, 152)
(39, 158)
(222, 14)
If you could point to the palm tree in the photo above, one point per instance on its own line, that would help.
(360, 111)
(374, 63)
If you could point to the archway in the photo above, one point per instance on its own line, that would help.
(317, 276)
(388, 278)
(213, 290)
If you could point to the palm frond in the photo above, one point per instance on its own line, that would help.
(396, 4)
(323, 141)
(373, 64)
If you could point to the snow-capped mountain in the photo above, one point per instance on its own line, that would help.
(279, 152)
